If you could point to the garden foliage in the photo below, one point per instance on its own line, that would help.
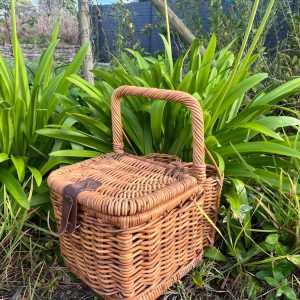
(258, 151)
(28, 103)
(247, 141)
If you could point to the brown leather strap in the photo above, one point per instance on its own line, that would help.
(69, 205)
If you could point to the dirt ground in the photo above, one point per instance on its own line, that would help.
(76, 290)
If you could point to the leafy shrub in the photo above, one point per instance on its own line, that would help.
(284, 62)
(251, 145)
(236, 126)
(26, 107)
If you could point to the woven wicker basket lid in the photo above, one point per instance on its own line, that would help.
(129, 185)
(134, 190)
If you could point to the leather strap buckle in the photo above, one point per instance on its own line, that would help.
(69, 205)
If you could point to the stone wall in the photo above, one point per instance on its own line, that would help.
(63, 53)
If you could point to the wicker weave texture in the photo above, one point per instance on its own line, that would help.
(137, 263)
(132, 190)
(141, 229)
(172, 96)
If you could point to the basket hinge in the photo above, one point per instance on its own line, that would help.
(69, 205)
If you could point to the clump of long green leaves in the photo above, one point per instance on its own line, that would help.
(25, 107)
(259, 244)
(237, 124)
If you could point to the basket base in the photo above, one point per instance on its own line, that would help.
(154, 291)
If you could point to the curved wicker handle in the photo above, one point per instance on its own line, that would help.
(199, 168)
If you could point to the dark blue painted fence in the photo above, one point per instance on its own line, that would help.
(105, 25)
(142, 13)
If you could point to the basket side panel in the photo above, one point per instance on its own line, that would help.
(212, 191)
(136, 263)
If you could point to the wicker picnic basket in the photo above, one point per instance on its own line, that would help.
(131, 227)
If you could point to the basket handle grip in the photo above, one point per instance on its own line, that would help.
(199, 167)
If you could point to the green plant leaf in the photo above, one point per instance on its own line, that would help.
(91, 123)
(40, 199)
(157, 112)
(237, 91)
(181, 140)
(244, 210)
(264, 273)
(235, 204)
(263, 147)
(277, 274)
(75, 153)
(221, 162)
(203, 73)
(289, 292)
(3, 157)
(108, 77)
(295, 259)
(54, 162)
(129, 65)
(43, 67)
(48, 70)
(168, 55)
(142, 63)
(7, 129)
(277, 94)
(72, 68)
(271, 281)
(214, 254)
(177, 74)
(20, 166)
(14, 188)
(261, 129)
(278, 121)
(85, 86)
(198, 279)
(272, 239)
(37, 175)
(77, 137)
